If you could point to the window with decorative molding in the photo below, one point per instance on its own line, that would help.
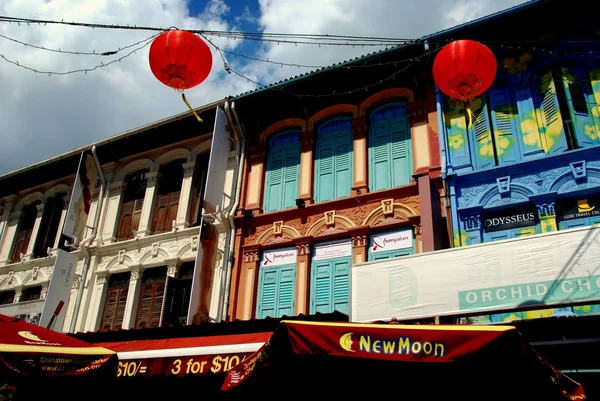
(24, 232)
(283, 170)
(49, 225)
(167, 196)
(116, 299)
(152, 296)
(132, 204)
(199, 185)
(7, 297)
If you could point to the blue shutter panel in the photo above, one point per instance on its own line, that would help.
(380, 176)
(292, 170)
(274, 184)
(400, 152)
(286, 291)
(341, 285)
(554, 139)
(480, 131)
(578, 97)
(325, 164)
(267, 297)
(530, 132)
(343, 164)
(504, 124)
(321, 294)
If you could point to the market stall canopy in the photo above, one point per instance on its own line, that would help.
(184, 356)
(416, 362)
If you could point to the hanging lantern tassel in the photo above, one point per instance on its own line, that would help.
(190, 107)
(470, 115)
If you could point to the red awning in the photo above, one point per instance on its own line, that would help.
(184, 356)
(408, 358)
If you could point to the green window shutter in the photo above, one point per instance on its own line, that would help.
(528, 128)
(400, 151)
(456, 132)
(549, 117)
(480, 131)
(276, 291)
(380, 174)
(341, 285)
(504, 118)
(344, 151)
(321, 287)
(578, 96)
(330, 286)
(324, 171)
(291, 175)
(286, 290)
(267, 293)
(274, 181)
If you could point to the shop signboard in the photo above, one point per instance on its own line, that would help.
(525, 216)
(391, 241)
(579, 208)
(333, 249)
(279, 257)
(558, 268)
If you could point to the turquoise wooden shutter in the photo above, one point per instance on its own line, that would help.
(578, 97)
(400, 152)
(553, 138)
(286, 290)
(292, 172)
(274, 184)
(321, 288)
(343, 164)
(504, 126)
(324, 181)
(276, 291)
(330, 286)
(267, 293)
(528, 123)
(281, 186)
(480, 131)
(380, 174)
(459, 155)
(341, 285)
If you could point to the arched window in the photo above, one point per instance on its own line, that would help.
(25, 230)
(283, 167)
(49, 225)
(199, 184)
(333, 161)
(131, 207)
(390, 159)
(167, 197)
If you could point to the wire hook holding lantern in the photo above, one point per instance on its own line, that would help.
(190, 107)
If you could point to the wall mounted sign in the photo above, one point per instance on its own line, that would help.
(333, 249)
(401, 239)
(279, 257)
(509, 219)
(579, 208)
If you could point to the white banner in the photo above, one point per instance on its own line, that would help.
(557, 268)
(391, 241)
(333, 249)
(59, 290)
(213, 196)
(279, 257)
(81, 197)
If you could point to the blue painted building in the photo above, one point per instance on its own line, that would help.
(524, 157)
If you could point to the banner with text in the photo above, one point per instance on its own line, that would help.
(212, 197)
(279, 257)
(391, 241)
(559, 268)
(59, 290)
(333, 249)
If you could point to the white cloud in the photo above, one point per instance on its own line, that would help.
(43, 116)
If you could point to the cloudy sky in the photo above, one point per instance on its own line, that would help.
(43, 115)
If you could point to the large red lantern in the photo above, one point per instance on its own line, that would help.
(180, 59)
(464, 69)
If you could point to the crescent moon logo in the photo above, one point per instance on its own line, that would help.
(30, 336)
(346, 342)
(378, 243)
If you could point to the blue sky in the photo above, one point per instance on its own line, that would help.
(44, 115)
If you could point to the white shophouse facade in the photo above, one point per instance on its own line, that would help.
(148, 233)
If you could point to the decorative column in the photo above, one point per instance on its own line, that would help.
(418, 238)
(145, 227)
(302, 275)
(173, 269)
(133, 297)
(98, 298)
(247, 289)
(185, 196)
(35, 231)
(547, 216)
(471, 229)
(63, 216)
(419, 134)
(360, 244)
(92, 214)
(44, 291)
(427, 211)
(305, 191)
(18, 295)
(361, 156)
(9, 236)
(256, 173)
(115, 193)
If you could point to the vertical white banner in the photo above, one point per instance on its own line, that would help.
(81, 197)
(212, 197)
(59, 290)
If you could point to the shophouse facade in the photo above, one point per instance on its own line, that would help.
(331, 181)
(136, 266)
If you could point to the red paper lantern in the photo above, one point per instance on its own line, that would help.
(464, 69)
(180, 59)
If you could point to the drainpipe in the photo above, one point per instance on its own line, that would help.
(83, 246)
(233, 210)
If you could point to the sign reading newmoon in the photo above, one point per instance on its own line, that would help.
(557, 268)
